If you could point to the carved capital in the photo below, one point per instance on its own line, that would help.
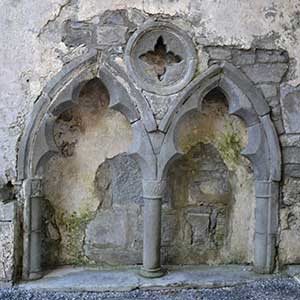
(153, 189)
(36, 187)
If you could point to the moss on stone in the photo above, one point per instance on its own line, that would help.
(74, 226)
(229, 145)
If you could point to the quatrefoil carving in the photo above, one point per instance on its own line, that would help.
(160, 59)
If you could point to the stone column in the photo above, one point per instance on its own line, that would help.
(152, 194)
(266, 223)
(32, 228)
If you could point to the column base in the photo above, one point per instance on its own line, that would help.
(35, 275)
(152, 273)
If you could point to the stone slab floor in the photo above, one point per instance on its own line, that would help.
(199, 283)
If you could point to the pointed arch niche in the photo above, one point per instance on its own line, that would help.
(263, 151)
(38, 142)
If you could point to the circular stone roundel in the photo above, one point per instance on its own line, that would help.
(160, 58)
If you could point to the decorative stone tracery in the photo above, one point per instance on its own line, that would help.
(168, 65)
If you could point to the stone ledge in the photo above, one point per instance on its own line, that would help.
(127, 279)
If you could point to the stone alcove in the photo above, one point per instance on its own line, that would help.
(65, 122)
(210, 190)
(262, 149)
(83, 185)
(155, 146)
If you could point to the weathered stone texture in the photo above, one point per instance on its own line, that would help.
(260, 73)
(90, 137)
(109, 30)
(263, 56)
(8, 232)
(197, 211)
(290, 225)
(291, 159)
(290, 101)
(269, 90)
(265, 68)
(126, 180)
(86, 136)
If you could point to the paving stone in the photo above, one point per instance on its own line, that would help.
(95, 279)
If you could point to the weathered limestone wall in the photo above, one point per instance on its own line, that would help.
(262, 37)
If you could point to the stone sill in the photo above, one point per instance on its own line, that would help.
(126, 279)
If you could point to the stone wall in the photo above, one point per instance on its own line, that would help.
(262, 38)
(8, 237)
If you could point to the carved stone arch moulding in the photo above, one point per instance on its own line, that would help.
(37, 143)
(263, 149)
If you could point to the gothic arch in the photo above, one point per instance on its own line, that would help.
(263, 151)
(154, 148)
(37, 143)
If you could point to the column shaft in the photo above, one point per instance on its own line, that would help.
(152, 234)
(153, 191)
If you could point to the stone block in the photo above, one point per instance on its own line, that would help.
(289, 247)
(291, 155)
(6, 251)
(291, 192)
(265, 56)
(108, 35)
(114, 236)
(219, 53)
(289, 237)
(199, 223)
(77, 33)
(115, 17)
(7, 211)
(107, 230)
(243, 57)
(263, 73)
(269, 90)
(290, 102)
(292, 170)
(126, 180)
(290, 140)
(115, 256)
(169, 228)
